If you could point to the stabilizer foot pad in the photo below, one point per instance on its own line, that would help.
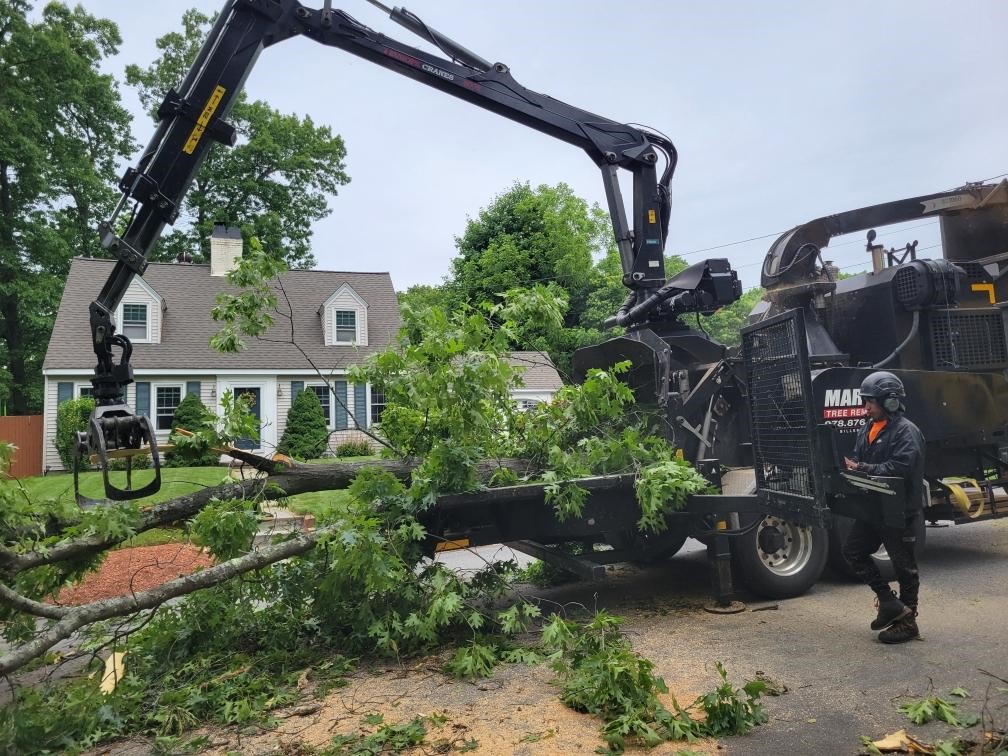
(733, 608)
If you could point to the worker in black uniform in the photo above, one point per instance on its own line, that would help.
(889, 444)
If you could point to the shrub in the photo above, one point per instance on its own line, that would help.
(306, 434)
(139, 462)
(71, 416)
(354, 449)
(190, 414)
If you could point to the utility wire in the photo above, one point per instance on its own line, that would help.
(778, 233)
(729, 244)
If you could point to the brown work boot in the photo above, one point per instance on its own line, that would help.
(900, 632)
(890, 610)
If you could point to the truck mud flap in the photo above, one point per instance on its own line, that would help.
(785, 455)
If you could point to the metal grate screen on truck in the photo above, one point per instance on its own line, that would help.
(968, 339)
(775, 356)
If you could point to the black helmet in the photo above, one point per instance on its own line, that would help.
(885, 388)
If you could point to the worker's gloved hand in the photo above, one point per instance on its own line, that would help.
(850, 463)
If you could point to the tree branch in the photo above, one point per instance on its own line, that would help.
(76, 618)
(15, 600)
(301, 479)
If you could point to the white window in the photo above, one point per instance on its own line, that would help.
(166, 400)
(135, 323)
(524, 405)
(322, 392)
(84, 390)
(377, 405)
(344, 326)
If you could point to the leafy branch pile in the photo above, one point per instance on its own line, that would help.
(599, 673)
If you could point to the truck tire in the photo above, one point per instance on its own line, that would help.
(838, 535)
(778, 559)
(786, 571)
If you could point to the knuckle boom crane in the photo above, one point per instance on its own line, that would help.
(193, 118)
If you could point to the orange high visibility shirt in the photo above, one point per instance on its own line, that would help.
(875, 429)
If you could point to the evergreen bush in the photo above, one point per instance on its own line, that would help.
(306, 434)
(71, 416)
(191, 414)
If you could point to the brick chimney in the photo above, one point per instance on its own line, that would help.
(225, 249)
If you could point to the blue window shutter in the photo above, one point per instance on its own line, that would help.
(360, 409)
(193, 387)
(142, 398)
(296, 388)
(341, 400)
(64, 392)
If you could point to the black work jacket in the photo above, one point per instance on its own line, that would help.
(898, 452)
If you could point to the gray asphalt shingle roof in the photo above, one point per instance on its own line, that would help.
(540, 374)
(189, 291)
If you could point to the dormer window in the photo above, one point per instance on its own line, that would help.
(135, 322)
(345, 318)
(345, 326)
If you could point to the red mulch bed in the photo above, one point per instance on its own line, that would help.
(133, 570)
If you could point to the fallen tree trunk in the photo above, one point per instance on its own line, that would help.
(290, 482)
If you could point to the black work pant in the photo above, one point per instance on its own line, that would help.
(864, 540)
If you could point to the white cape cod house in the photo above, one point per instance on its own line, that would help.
(337, 318)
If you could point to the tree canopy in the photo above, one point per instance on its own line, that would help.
(63, 131)
(528, 236)
(546, 236)
(274, 184)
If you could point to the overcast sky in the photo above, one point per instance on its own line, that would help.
(781, 113)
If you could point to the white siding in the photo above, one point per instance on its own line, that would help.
(139, 293)
(345, 298)
(336, 438)
(276, 397)
(283, 403)
(50, 459)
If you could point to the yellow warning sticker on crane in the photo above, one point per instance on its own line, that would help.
(204, 119)
(651, 216)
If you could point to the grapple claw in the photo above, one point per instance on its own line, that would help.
(114, 432)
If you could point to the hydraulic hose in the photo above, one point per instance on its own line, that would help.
(625, 317)
(615, 320)
(901, 347)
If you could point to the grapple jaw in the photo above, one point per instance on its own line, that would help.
(114, 432)
(649, 357)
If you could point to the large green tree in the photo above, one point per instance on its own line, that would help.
(274, 184)
(528, 236)
(422, 296)
(63, 131)
(544, 236)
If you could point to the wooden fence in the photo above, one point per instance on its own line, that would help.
(25, 432)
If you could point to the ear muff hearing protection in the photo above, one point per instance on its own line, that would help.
(891, 404)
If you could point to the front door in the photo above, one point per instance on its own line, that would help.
(255, 407)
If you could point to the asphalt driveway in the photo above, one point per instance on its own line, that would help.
(842, 683)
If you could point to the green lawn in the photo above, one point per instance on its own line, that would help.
(318, 503)
(175, 481)
(322, 503)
